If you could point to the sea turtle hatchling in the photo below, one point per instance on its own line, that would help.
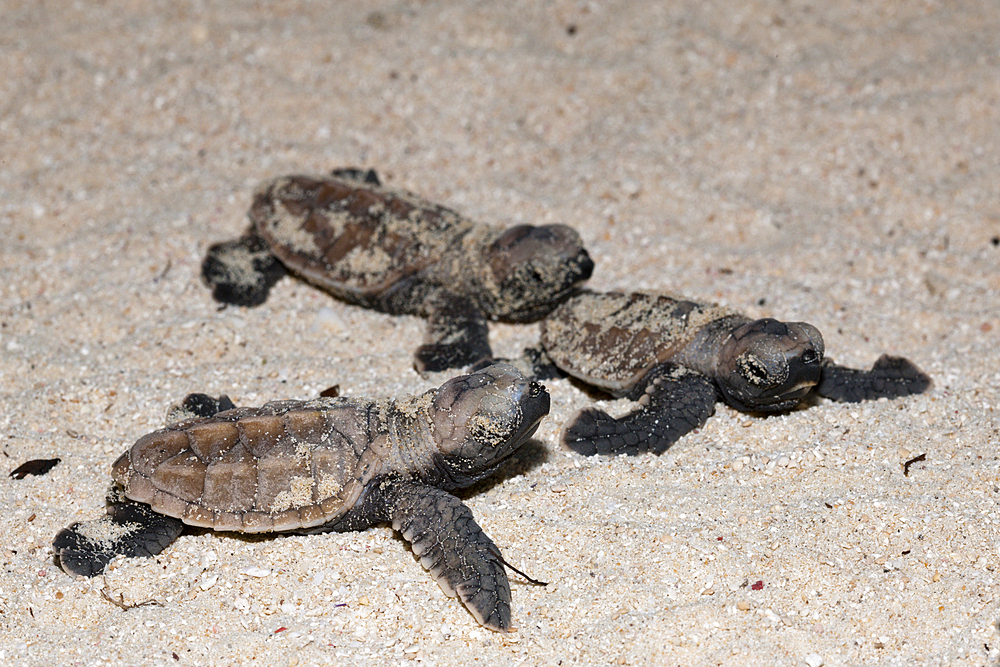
(397, 253)
(678, 357)
(329, 464)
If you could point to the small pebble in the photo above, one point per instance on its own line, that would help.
(327, 319)
(743, 605)
(256, 571)
(813, 660)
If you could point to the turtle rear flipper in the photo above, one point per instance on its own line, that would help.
(457, 335)
(367, 176)
(194, 406)
(451, 545)
(128, 529)
(242, 271)
(889, 377)
(673, 401)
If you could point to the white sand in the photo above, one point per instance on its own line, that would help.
(832, 162)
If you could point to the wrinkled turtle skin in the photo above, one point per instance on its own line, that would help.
(329, 464)
(677, 357)
(394, 252)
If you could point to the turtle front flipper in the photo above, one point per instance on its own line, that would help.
(451, 545)
(128, 529)
(890, 377)
(457, 335)
(673, 401)
(242, 271)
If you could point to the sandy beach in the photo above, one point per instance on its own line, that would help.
(835, 163)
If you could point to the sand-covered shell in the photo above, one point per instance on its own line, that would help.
(353, 238)
(288, 465)
(612, 339)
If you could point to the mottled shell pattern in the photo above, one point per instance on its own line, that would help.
(287, 465)
(611, 339)
(357, 240)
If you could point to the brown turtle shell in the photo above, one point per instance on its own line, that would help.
(288, 465)
(612, 339)
(353, 239)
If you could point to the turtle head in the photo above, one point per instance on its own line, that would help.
(769, 366)
(533, 269)
(481, 419)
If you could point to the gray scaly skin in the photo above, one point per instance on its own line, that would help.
(394, 252)
(677, 357)
(329, 464)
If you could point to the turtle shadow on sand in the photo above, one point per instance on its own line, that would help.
(328, 464)
(531, 455)
(397, 253)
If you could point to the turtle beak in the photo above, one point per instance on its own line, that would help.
(535, 404)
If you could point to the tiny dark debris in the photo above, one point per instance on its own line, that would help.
(331, 392)
(120, 602)
(758, 586)
(995, 240)
(34, 467)
(915, 459)
(571, 29)
(906, 553)
(533, 582)
(175, 656)
(828, 506)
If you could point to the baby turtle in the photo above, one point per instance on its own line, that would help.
(397, 253)
(678, 357)
(329, 464)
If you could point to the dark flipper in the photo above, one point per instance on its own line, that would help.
(198, 405)
(457, 335)
(890, 377)
(673, 401)
(129, 529)
(540, 365)
(459, 555)
(242, 271)
(368, 176)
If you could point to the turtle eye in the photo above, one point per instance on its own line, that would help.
(753, 370)
(810, 356)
